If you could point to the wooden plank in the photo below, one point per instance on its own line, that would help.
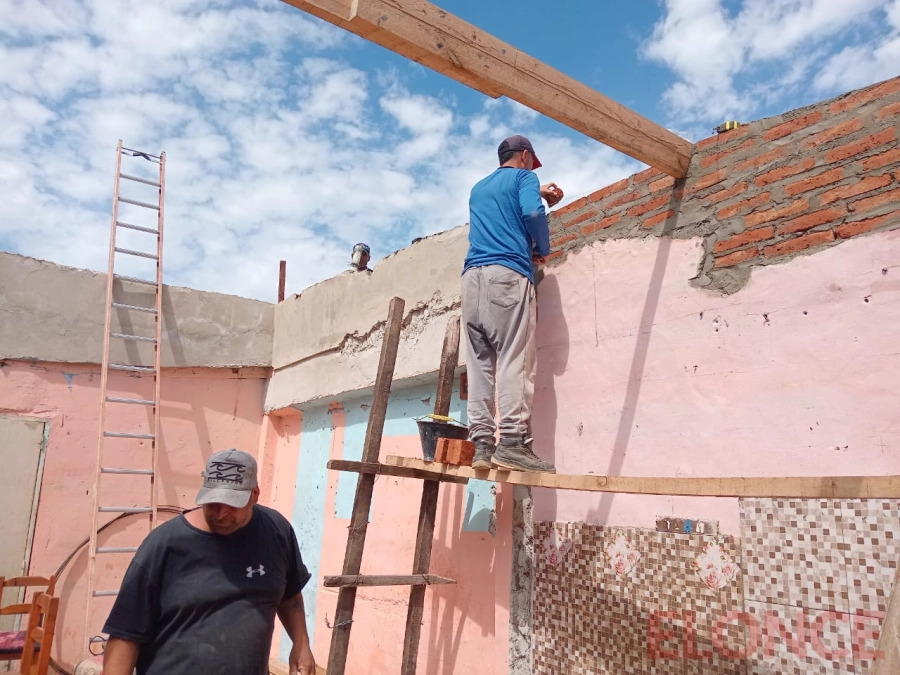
(401, 472)
(800, 487)
(888, 649)
(368, 580)
(362, 502)
(441, 41)
(428, 508)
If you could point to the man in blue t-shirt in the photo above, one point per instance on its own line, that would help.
(508, 233)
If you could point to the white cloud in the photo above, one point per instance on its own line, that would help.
(865, 63)
(277, 147)
(729, 65)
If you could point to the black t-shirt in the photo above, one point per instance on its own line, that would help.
(199, 602)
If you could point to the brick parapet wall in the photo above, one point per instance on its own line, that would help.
(762, 193)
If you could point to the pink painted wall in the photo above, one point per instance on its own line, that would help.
(641, 374)
(203, 410)
(464, 625)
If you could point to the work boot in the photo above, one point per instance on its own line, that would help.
(520, 457)
(483, 453)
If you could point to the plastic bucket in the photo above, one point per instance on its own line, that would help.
(430, 430)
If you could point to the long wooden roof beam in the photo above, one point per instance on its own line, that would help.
(428, 35)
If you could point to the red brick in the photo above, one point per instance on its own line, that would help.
(574, 206)
(440, 450)
(580, 219)
(767, 216)
(854, 100)
(454, 451)
(723, 138)
(554, 255)
(647, 207)
(744, 238)
(811, 220)
(707, 162)
(854, 189)
(836, 131)
(813, 182)
(708, 181)
(653, 221)
(860, 146)
(776, 175)
(663, 183)
(737, 257)
(721, 195)
(646, 175)
(872, 203)
(627, 198)
(608, 190)
(751, 203)
(889, 111)
(848, 230)
(799, 243)
(556, 243)
(609, 221)
(760, 160)
(885, 158)
(787, 128)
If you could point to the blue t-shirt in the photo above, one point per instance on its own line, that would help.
(507, 222)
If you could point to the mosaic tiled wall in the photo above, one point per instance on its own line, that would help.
(795, 595)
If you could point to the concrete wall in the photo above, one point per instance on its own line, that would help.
(56, 314)
(328, 338)
(677, 315)
(202, 410)
(739, 322)
(465, 625)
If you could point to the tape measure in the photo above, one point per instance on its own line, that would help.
(727, 126)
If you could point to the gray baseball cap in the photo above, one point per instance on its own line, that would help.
(229, 478)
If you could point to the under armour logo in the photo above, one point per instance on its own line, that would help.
(261, 571)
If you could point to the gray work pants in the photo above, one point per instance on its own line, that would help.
(499, 313)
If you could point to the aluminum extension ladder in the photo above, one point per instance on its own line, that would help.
(113, 406)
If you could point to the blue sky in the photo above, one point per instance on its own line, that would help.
(287, 138)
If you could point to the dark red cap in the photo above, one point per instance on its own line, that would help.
(518, 143)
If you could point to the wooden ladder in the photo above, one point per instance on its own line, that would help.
(368, 469)
(145, 457)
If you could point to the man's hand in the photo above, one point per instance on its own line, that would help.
(552, 193)
(538, 259)
(301, 660)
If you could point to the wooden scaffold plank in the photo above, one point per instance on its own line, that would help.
(373, 580)
(798, 487)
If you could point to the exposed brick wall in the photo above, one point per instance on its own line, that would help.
(762, 193)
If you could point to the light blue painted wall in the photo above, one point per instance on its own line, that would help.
(404, 406)
(308, 518)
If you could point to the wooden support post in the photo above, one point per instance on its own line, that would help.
(282, 274)
(428, 510)
(359, 520)
(428, 35)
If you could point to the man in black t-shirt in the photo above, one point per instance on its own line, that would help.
(203, 589)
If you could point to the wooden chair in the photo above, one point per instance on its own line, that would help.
(39, 635)
(12, 643)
